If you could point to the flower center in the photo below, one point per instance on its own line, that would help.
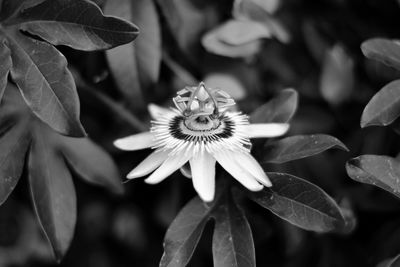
(191, 130)
(201, 104)
(201, 123)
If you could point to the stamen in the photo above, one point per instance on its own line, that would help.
(198, 125)
(202, 100)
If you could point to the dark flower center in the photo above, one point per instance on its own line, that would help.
(201, 129)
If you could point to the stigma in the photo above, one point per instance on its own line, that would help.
(202, 106)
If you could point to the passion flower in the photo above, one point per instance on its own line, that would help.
(201, 130)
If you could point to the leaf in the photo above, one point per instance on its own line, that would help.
(53, 193)
(229, 80)
(40, 72)
(300, 146)
(391, 262)
(233, 244)
(14, 143)
(213, 45)
(184, 233)
(78, 24)
(239, 32)
(381, 171)
(337, 78)
(235, 38)
(317, 44)
(187, 21)
(232, 240)
(395, 262)
(280, 109)
(91, 162)
(269, 6)
(5, 59)
(9, 8)
(384, 107)
(259, 11)
(300, 203)
(52, 189)
(136, 67)
(383, 50)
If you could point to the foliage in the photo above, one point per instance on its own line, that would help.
(38, 69)
(77, 74)
(382, 110)
(46, 93)
(293, 199)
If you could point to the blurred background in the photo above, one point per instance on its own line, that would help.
(251, 49)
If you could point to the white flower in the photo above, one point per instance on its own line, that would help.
(201, 130)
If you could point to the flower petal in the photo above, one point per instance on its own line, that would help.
(249, 163)
(170, 165)
(265, 130)
(202, 166)
(135, 142)
(149, 164)
(157, 111)
(185, 170)
(229, 164)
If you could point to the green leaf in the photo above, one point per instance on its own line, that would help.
(383, 50)
(41, 73)
(280, 109)
(184, 233)
(136, 67)
(300, 203)
(384, 107)
(300, 146)
(233, 244)
(5, 59)
(53, 192)
(381, 171)
(78, 24)
(91, 162)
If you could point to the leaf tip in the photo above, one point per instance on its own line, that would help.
(364, 122)
(342, 146)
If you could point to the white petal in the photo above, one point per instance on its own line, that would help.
(149, 164)
(157, 111)
(202, 166)
(265, 130)
(135, 142)
(244, 177)
(247, 162)
(170, 165)
(185, 170)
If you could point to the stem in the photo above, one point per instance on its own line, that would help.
(179, 71)
(111, 104)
